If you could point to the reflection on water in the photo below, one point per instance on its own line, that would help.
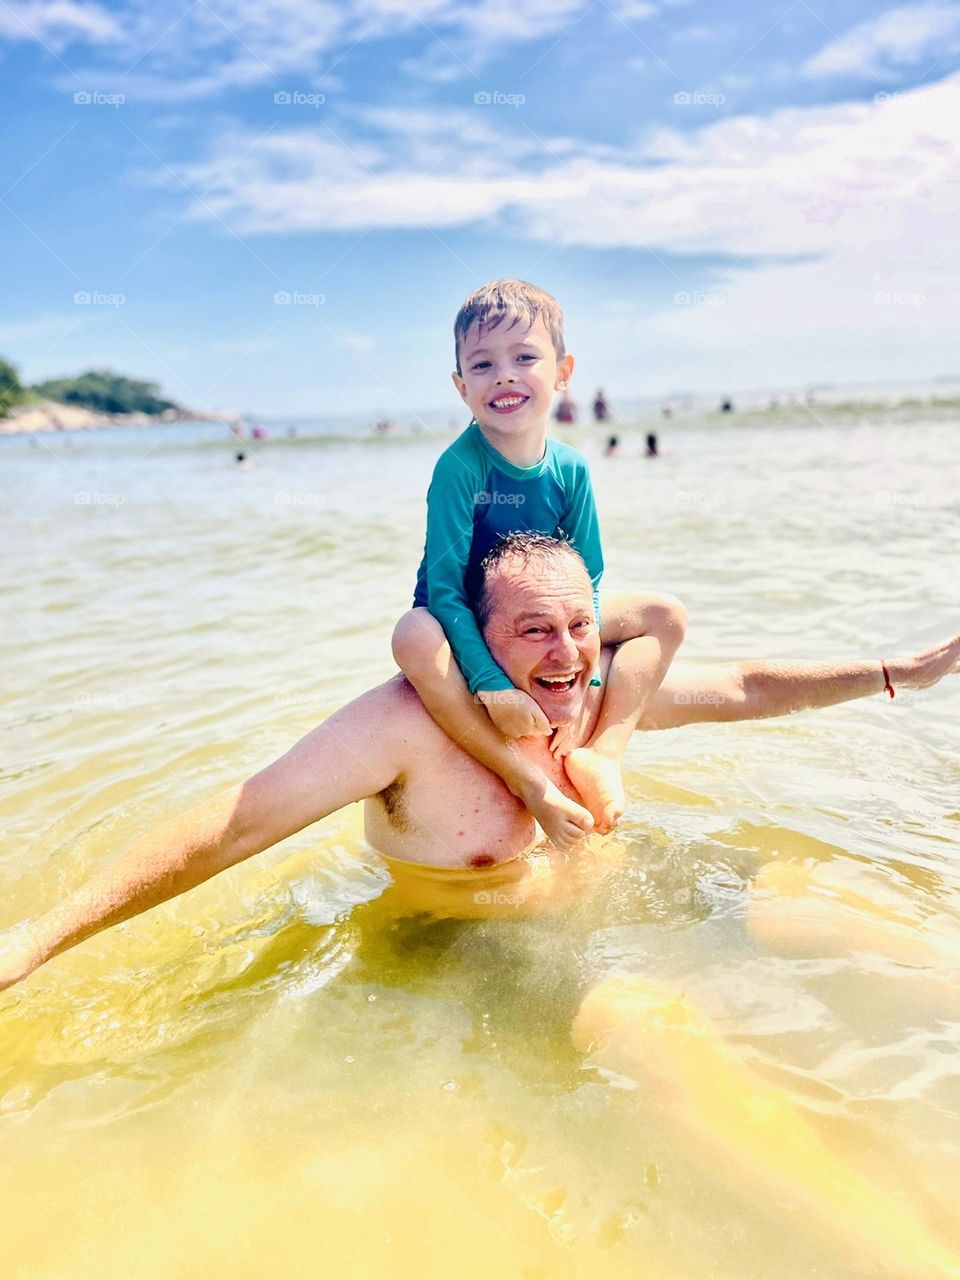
(322, 1056)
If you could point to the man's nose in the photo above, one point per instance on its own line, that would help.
(564, 646)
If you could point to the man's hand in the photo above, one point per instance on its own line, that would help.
(19, 955)
(514, 713)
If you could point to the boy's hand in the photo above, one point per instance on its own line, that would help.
(514, 713)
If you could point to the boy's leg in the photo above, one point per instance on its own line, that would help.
(648, 630)
(423, 654)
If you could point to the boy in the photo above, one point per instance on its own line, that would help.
(501, 475)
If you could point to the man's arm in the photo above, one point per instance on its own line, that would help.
(756, 690)
(352, 755)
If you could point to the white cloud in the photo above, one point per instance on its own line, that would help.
(359, 342)
(743, 185)
(842, 206)
(54, 22)
(896, 39)
(206, 49)
(634, 10)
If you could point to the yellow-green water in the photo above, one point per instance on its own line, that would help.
(277, 1071)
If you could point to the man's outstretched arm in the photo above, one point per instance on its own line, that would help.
(725, 692)
(351, 755)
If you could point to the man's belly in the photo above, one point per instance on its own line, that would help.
(539, 880)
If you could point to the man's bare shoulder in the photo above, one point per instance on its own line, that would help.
(394, 707)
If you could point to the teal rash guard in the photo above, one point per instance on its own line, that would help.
(476, 497)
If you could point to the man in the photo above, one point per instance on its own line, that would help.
(427, 802)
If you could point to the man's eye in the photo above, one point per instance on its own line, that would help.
(582, 623)
(534, 631)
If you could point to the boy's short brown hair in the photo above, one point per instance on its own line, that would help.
(517, 298)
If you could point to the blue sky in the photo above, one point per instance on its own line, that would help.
(720, 196)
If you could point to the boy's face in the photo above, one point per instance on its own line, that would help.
(509, 375)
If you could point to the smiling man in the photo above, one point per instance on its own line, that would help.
(427, 802)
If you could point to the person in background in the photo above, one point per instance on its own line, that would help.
(651, 446)
(566, 409)
(601, 410)
(613, 448)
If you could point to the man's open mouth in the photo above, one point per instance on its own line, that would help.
(507, 403)
(558, 683)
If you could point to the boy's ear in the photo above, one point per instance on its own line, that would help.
(565, 369)
(459, 383)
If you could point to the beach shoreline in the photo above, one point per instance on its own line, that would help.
(49, 415)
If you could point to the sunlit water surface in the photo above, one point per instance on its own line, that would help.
(277, 1073)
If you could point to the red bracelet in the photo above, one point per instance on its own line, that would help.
(888, 687)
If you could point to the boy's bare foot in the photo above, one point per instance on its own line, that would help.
(565, 823)
(599, 779)
(925, 669)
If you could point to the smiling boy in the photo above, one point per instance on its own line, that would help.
(503, 475)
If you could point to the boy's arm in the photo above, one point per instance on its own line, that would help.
(451, 499)
(581, 525)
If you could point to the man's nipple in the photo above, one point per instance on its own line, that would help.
(482, 860)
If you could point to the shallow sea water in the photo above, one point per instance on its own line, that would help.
(277, 1071)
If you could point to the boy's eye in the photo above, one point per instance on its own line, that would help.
(484, 364)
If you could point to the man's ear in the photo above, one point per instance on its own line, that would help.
(459, 383)
(565, 370)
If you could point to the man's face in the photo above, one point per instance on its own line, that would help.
(543, 633)
(509, 374)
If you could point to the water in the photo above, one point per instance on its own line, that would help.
(276, 1071)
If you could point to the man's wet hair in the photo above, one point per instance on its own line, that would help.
(520, 548)
(518, 300)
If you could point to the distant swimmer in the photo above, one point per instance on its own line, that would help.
(242, 460)
(651, 446)
(259, 433)
(566, 409)
(601, 410)
(726, 406)
(613, 447)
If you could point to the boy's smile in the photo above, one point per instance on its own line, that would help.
(509, 375)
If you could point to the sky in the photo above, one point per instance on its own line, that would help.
(278, 206)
